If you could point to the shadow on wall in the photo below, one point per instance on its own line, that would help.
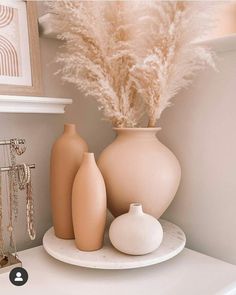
(200, 129)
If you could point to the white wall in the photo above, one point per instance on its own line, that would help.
(200, 129)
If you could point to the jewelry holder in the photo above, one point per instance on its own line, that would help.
(12, 262)
(19, 176)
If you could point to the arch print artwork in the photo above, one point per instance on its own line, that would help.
(19, 48)
(8, 59)
(8, 54)
(6, 15)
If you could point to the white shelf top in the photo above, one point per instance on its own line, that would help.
(221, 44)
(33, 104)
(188, 273)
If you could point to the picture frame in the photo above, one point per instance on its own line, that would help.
(20, 67)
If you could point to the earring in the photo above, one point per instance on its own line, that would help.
(23, 175)
(19, 148)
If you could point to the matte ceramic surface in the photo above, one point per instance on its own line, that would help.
(66, 158)
(135, 232)
(138, 168)
(89, 205)
(108, 257)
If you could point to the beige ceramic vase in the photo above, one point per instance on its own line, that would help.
(138, 168)
(66, 157)
(89, 205)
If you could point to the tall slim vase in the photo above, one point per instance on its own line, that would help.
(66, 157)
(89, 205)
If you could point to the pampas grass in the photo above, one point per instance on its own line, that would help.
(98, 57)
(133, 57)
(170, 58)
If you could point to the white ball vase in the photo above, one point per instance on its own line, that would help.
(136, 233)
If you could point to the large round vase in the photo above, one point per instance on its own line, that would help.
(138, 168)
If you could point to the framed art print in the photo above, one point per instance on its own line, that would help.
(20, 72)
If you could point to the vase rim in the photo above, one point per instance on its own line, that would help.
(136, 208)
(69, 128)
(88, 155)
(70, 124)
(137, 128)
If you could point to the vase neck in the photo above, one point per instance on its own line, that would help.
(136, 208)
(88, 158)
(137, 132)
(69, 129)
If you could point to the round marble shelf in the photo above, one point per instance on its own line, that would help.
(108, 257)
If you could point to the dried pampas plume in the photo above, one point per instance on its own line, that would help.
(98, 57)
(132, 56)
(170, 57)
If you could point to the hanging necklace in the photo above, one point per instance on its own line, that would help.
(9, 193)
(3, 256)
(30, 211)
(10, 226)
(29, 201)
(1, 220)
(14, 150)
(25, 183)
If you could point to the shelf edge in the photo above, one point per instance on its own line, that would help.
(26, 104)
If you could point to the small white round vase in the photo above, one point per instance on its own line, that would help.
(136, 233)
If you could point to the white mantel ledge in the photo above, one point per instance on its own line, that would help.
(33, 104)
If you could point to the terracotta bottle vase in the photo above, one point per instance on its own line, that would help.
(138, 168)
(135, 232)
(66, 157)
(89, 205)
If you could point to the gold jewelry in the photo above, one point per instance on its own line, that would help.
(23, 175)
(13, 148)
(3, 257)
(10, 226)
(9, 186)
(18, 147)
(25, 182)
(30, 209)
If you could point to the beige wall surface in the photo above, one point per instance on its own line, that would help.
(199, 128)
